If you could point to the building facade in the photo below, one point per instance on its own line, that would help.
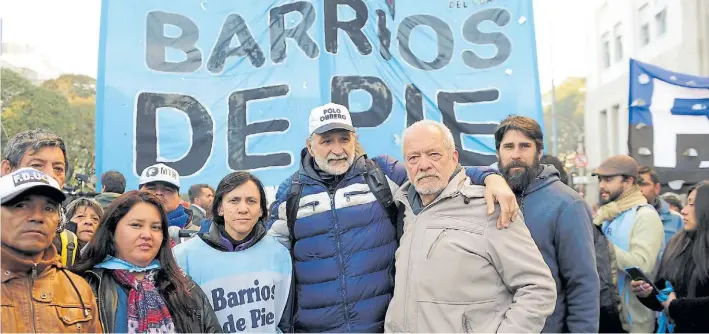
(672, 34)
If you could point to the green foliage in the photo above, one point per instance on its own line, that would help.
(65, 105)
(570, 99)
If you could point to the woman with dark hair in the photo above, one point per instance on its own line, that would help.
(684, 271)
(86, 213)
(246, 272)
(137, 282)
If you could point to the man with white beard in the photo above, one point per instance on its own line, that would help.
(337, 217)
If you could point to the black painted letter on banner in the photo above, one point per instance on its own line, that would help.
(444, 36)
(414, 105)
(146, 141)
(353, 28)
(446, 103)
(239, 129)
(472, 34)
(156, 42)
(235, 25)
(384, 35)
(299, 33)
(381, 98)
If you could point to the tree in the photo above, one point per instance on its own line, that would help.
(65, 106)
(12, 84)
(570, 97)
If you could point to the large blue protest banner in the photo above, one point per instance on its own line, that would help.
(209, 87)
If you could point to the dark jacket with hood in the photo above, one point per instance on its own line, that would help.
(560, 223)
(690, 311)
(247, 280)
(105, 287)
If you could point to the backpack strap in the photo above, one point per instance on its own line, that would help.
(69, 247)
(292, 206)
(292, 203)
(379, 186)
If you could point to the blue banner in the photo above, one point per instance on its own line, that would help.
(209, 87)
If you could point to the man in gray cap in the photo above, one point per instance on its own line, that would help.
(634, 229)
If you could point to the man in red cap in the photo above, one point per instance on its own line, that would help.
(635, 230)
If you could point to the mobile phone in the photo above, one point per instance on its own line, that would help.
(637, 275)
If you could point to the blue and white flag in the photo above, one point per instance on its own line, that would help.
(669, 123)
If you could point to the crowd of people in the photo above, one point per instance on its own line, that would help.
(354, 244)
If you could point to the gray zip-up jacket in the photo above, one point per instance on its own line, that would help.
(456, 272)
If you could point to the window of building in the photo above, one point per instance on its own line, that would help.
(618, 35)
(614, 128)
(603, 132)
(644, 25)
(606, 49)
(661, 22)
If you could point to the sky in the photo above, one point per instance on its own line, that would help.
(70, 33)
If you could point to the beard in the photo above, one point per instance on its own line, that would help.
(612, 196)
(519, 180)
(432, 187)
(335, 164)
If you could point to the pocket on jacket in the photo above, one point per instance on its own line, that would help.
(482, 317)
(435, 235)
(73, 318)
(445, 317)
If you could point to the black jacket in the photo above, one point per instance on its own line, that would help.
(609, 320)
(105, 288)
(690, 315)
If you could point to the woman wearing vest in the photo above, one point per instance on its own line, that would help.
(684, 272)
(137, 282)
(246, 273)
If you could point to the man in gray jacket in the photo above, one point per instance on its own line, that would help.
(455, 271)
(560, 222)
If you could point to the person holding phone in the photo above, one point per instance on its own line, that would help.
(685, 266)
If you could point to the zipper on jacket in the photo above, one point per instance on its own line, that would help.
(354, 193)
(31, 280)
(314, 204)
(435, 243)
(101, 306)
(342, 262)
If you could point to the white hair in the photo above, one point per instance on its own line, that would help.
(448, 141)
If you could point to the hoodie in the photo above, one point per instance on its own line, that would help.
(560, 222)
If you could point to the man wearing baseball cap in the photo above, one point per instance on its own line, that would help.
(45, 151)
(164, 182)
(36, 297)
(635, 230)
(342, 230)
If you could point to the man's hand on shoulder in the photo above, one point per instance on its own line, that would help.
(497, 191)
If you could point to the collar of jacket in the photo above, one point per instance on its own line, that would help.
(13, 266)
(458, 186)
(201, 210)
(213, 238)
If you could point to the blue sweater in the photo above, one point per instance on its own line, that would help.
(344, 247)
(560, 223)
